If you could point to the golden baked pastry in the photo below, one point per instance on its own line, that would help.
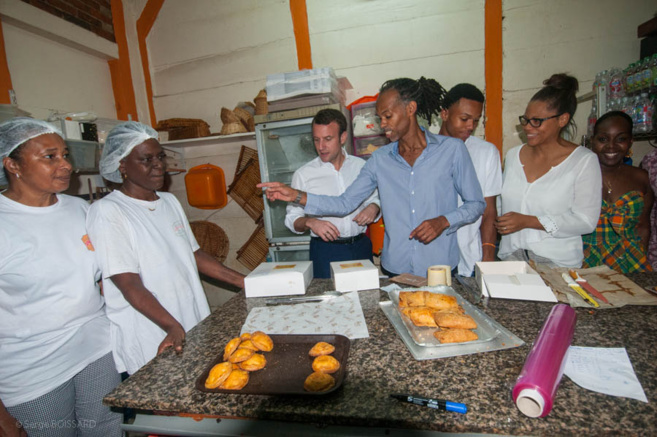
(439, 301)
(256, 362)
(318, 381)
(326, 364)
(231, 347)
(455, 335)
(321, 348)
(248, 344)
(412, 298)
(446, 319)
(236, 380)
(421, 316)
(245, 336)
(241, 354)
(218, 374)
(262, 341)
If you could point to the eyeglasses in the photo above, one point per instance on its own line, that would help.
(535, 122)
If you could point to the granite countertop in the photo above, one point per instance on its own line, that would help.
(381, 365)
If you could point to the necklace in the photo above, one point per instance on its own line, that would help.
(609, 189)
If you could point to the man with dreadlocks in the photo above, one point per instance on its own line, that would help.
(419, 175)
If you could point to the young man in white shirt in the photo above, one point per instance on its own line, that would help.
(332, 238)
(462, 108)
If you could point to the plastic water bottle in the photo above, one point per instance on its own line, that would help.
(646, 74)
(653, 67)
(630, 78)
(643, 111)
(626, 105)
(593, 118)
(615, 84)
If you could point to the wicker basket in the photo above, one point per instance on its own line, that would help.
(228, 116)
(246, 154)
(246, 118)
(212, 239)
(255, 250)
(183, 128)
(261, 103)
(234, 127)
(244, 191)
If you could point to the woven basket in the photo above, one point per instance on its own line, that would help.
(234, 127)
(255, 250)
(183, 128)
(244, 191)
(228, 116)
(246, 118)
(261, 105)
(212, 239)
(246, 154)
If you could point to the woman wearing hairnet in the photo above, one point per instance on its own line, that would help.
(147, 252)
(54, 336)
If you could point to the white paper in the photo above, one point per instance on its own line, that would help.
(605, 370)
(521, 286)
(391, 287)
(340, 315)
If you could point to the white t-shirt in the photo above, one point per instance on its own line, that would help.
(566, 200)
(154, 240)
(52, 323)
(318, 177)
(486, 161)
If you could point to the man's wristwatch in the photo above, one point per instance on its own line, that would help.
(298, 199)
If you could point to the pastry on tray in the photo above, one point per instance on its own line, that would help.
(412, 298)
(256, 362)
(237, 379)
(318, 381)
(231, 347)
(326, 364)
(262, 341)
(439, 301)
(321, 348)
(455, 335)
(218, 374)
(241, 354)
(447, 319)
(420, 316)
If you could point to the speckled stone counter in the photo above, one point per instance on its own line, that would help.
(381, 365)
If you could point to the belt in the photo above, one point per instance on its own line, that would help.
(347, 240)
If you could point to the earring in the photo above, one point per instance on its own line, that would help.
(18, 176)
(629, 153)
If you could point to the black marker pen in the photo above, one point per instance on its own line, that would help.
(439, 404)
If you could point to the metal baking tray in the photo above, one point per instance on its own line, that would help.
(424, 346)
(288, 366)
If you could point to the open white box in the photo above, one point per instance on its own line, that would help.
(512, 280)
(279, 279)
(355, 275)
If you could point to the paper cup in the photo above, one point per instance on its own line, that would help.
(439, 275)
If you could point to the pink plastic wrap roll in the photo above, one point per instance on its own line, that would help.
(539, 379)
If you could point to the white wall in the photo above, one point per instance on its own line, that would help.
(578, 37)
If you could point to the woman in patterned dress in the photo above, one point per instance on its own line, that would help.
(621, 237)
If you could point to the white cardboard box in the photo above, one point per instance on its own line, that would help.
(354, 275)
(512, 280)
(279, 279)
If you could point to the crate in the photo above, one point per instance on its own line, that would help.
(243, 190)
(184, 128)
(246, 154)
(254, 251)
(364, 120)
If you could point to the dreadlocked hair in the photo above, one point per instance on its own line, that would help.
(427, 93)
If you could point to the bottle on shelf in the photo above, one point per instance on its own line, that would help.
(643, 111)
(653, 67)
(646, 74)
(629, 78)
(615, 84)
(593, 118)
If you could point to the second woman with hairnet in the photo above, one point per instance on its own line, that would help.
(147, 252)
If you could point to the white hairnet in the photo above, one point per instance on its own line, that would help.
(119, 143)
(19, 130)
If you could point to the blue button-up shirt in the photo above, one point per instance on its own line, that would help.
(410, 195)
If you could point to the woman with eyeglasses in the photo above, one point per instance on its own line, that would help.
(551, 192)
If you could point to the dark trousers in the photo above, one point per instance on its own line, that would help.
(323, 253)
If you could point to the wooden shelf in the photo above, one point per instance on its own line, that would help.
(216, 139)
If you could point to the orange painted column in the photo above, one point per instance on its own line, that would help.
(301, 33)
(5, 76)
(493, 65)
(144, 26)
(124, 92)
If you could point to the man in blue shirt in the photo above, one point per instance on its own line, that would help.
(419, 176)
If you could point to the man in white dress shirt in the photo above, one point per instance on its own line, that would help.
(462, 108)
(332, 238)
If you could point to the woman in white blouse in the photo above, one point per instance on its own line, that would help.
(551, 193)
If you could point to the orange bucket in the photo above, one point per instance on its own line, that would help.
(206, 187)
(376, 232)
